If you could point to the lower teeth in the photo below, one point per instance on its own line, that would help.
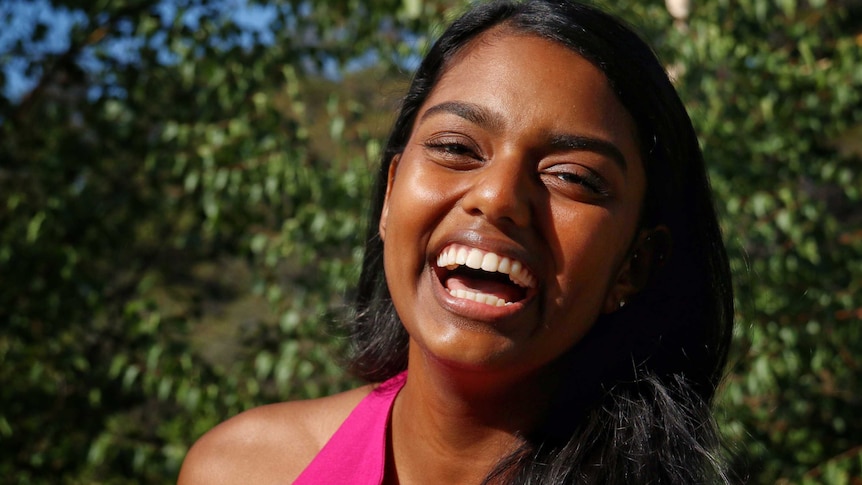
(479, 297)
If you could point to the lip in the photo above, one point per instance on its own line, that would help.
(495, 244)
(474, 310)
(471, 309)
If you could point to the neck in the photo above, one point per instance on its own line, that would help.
(452, 425)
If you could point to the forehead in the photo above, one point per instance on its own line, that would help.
(538, 81)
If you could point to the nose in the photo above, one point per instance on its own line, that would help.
(501, 192)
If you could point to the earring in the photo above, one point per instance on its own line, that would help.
(622, 303)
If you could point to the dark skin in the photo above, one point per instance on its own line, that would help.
(521, 151)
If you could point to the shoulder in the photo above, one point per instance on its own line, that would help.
(268, 444)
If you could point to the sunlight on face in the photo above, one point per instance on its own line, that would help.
(511, 210)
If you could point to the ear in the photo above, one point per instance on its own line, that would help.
(384, 213)
(650, 252)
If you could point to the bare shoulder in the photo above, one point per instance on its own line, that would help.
(269, 444)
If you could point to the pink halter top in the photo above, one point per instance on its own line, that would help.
(356, 453)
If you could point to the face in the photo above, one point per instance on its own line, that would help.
(511, 213)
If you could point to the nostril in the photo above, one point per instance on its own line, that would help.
(500, 200)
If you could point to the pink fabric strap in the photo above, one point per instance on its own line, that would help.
(356, 453)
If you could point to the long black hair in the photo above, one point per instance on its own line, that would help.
(635, 406)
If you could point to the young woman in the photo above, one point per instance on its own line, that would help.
(545, 297)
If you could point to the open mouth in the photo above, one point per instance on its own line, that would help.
(483, 276)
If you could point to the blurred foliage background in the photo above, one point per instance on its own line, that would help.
(183, 186)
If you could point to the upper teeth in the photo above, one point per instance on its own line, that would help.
(457, 255)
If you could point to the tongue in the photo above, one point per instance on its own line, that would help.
(509, 292)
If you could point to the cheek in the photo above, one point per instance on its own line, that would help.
(422, 183)
(419, 197)
(415, 207)
(589, 244)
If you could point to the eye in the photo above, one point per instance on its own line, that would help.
(449, 148)
(575, 180)
(452, 150)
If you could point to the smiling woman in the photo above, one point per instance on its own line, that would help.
(519, 300)
(484, 172)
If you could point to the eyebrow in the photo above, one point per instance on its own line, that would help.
(561, 141)
(588, 143)
(471, 112)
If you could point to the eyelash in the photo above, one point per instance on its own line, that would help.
(588, 179)
(450, 148)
